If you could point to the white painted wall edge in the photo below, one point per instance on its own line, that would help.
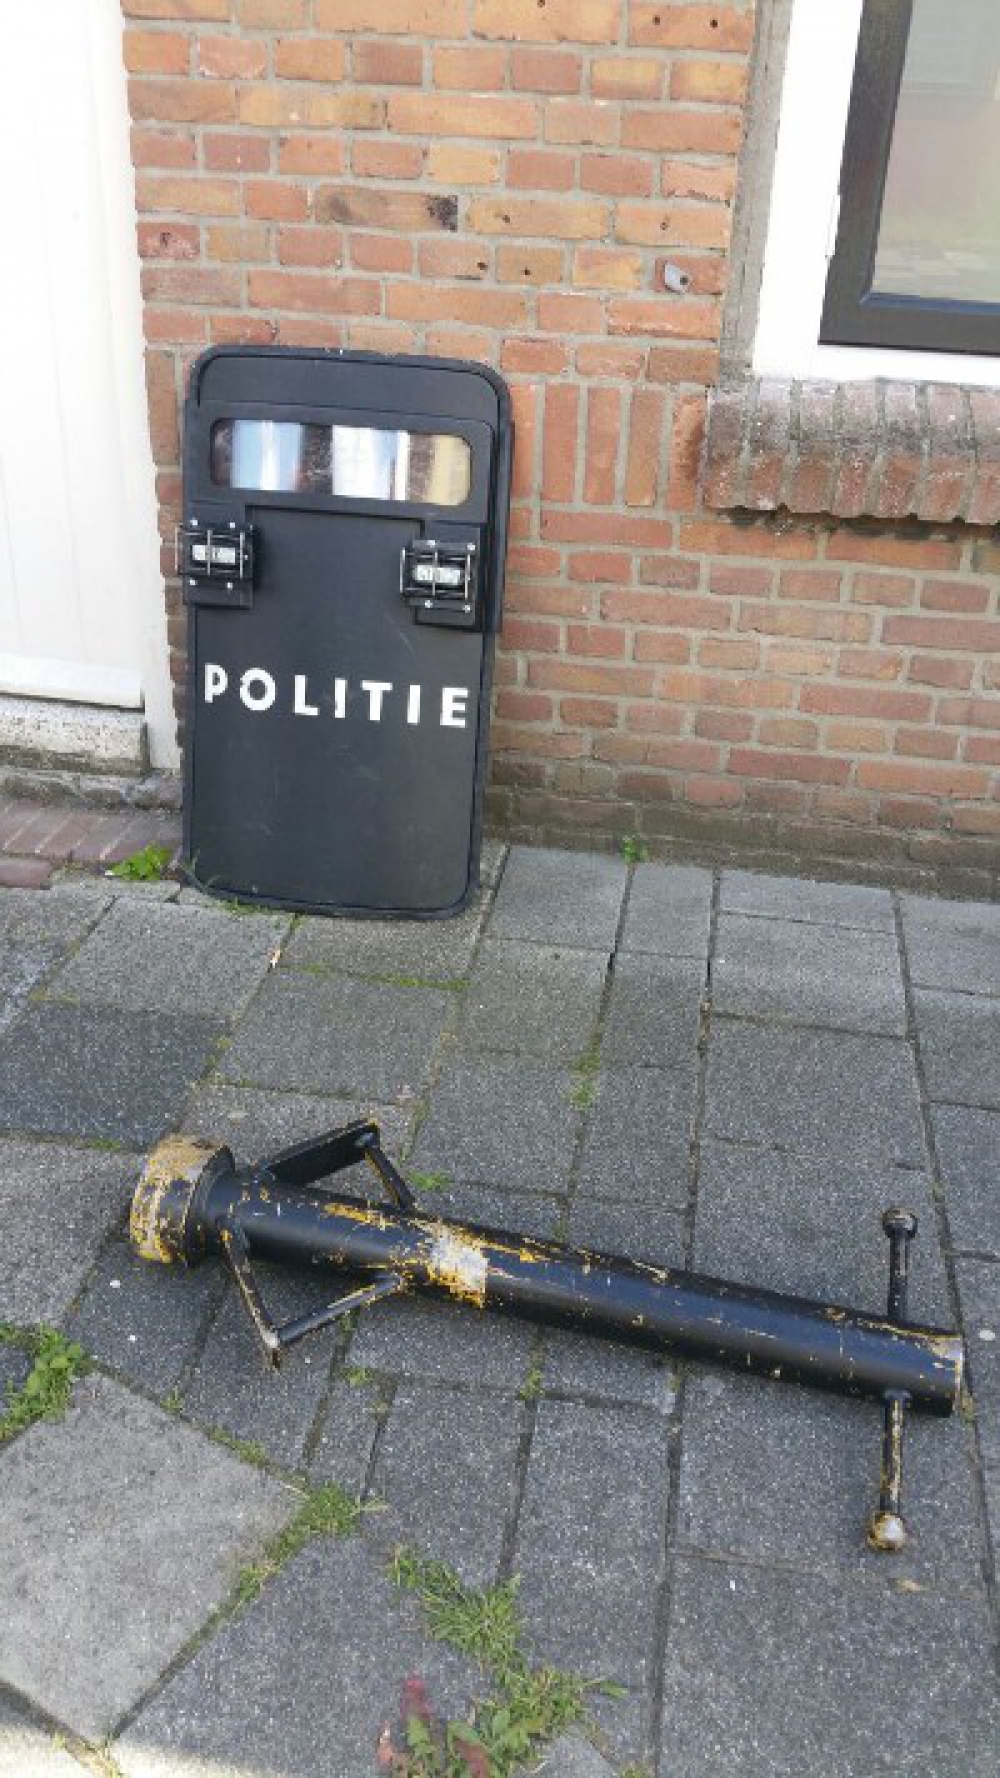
(139, 515)
(822, 45)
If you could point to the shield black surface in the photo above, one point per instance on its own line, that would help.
(341, 555)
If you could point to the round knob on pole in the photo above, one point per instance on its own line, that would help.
(886, 1531)
(900, 1222)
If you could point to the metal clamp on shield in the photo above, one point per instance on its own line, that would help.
(341, 555)
(193, 1202)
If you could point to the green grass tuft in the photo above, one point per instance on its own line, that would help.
(586, 1069)
(46, 1390)
(147, 866)
(633, 849)
(326, 1511)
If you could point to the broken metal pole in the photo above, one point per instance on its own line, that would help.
(193, 1201)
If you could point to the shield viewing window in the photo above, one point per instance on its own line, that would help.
(917, 255)
(352, 462)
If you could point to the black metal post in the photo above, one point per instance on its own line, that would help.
(886, 1527)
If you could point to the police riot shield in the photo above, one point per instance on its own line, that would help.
(341, 556)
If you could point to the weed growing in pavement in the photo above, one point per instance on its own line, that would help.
(45, 1392)
(633, 849)
(326, 1511)
(147, 866)
(429, 1182)
(527, 1709)
(586, 1069)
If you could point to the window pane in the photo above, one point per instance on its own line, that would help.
(939, 234)
(286, 457)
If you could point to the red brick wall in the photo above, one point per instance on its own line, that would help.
(502, 179)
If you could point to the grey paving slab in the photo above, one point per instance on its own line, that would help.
(654, 1014)
(668, 912)
(57, 1205)
(256, 1123)
(242, 1706)
(636, 1148)
(94, 1597)
(960, 1045)
(30, 1750)
(421, 950)
(814, 1227)
(567, 898)
(445, 1344)
(772, 1675)
(810, 1506)
(445, 1470)
(803, 974)
(191, 961)
(233, 1386)
(99, 1072)
(968, 1146)
(979, 1293)
(651, 1232)
(569, 1757)
(335, 1036)
(492, 859)
(146, 1321)
(15, 1366)
(797, 898)
(536, 999)
(953, 944)
(354, 1415)
(826, 1092)
(589, 1538)
(49, 916)
(22, 968)
(501, 1120)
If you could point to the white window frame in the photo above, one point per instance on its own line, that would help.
(802, 224)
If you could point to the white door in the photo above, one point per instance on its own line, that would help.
(81, 600)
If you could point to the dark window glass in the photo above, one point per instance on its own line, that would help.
(367, 462)
(917, 258)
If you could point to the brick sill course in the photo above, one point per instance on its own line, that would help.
(888, 450)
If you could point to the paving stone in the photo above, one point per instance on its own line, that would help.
(97, 1071)
(97, 1591)
(572, 897)
(979, 1293)
(445, 1469)
(654, 1014)
(795, 898)
(532, 998)
(651, 1232)
(501, 1120)
(808, 975)
(57, 1205)
(589, 1538)
(302, 1684)
(29, 1750)
(960, 1043)
(22, 968)
(24, 873)
(172, 959)
(953, 944)
(968, 1145)
(493, 857)
(815, 1091)
(417, 950)
(234, 1387)
(569, 1757)
(352, 1420)
(145, 1320)
(55, 916)
(814, 1228)
(493, 1207)
(638, 1136)
(668, 912)
(810, 1505)
(337, 1036)
(15, 1367)
(256, 1124)
(444, 1343)
(772, 1675)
